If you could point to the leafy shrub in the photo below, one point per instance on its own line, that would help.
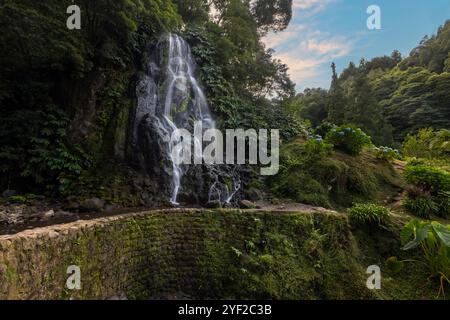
(348, 138)
(317, 148)
(369, 214)
(428, 178)
(387, 153)
(422, 207)
(434, 240)
(301, 187)
(429, 144)
(52, 162)
(324, 128)
(430, 192)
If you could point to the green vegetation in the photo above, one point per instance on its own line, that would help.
(311, 172)
(387, 153)
(348, 138)
(68, 100)
(48, 73)
(82, 79)
(369, 215)
(429, 144)
(211, 254)
(434, 240)
(388, 97)
(430, 191)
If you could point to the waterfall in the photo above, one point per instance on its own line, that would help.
(169, 98)
(184, 101)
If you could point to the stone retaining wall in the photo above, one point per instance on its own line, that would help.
(185, 253)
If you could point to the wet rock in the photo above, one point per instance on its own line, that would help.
(246, 204)
(94, 204)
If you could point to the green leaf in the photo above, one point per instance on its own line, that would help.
(420, 234)
(442, 232)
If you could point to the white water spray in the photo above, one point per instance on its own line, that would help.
(184, 101)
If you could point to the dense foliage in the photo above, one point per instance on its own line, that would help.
(348, 138)
(430, 191)
(45, 66)
(312, 173)
(429, 144)
(387, 153)
(369, 215)
(434, 240)
(85, 77)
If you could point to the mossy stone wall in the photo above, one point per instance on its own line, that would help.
(187, 253)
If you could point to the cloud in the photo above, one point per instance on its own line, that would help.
(300, 70)
(310, 62)
(308, 54)
(332, 48)
(307, 51)
(309, 7)
(274, 40)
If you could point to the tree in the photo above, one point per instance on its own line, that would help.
(193, 11)
(269, 15)
(272, 15)
(310, 105)
(336, 102)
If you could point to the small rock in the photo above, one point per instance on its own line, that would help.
(94, 204)
(216, 204)
(245, 204)
(49, 214)
(53, 234)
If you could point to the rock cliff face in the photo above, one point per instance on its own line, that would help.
(169, 97)
(125, 120)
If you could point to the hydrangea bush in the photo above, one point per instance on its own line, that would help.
(387, 153)
(348, 138)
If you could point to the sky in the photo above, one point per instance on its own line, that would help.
(323, 31)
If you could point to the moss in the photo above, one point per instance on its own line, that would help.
(10, 274)
(214, 254)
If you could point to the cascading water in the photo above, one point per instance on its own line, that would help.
(170, 98)
(184, 101)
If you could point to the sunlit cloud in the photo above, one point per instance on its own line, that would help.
(312, 58)
(274, 40)
(309, 7)
(307, 51)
